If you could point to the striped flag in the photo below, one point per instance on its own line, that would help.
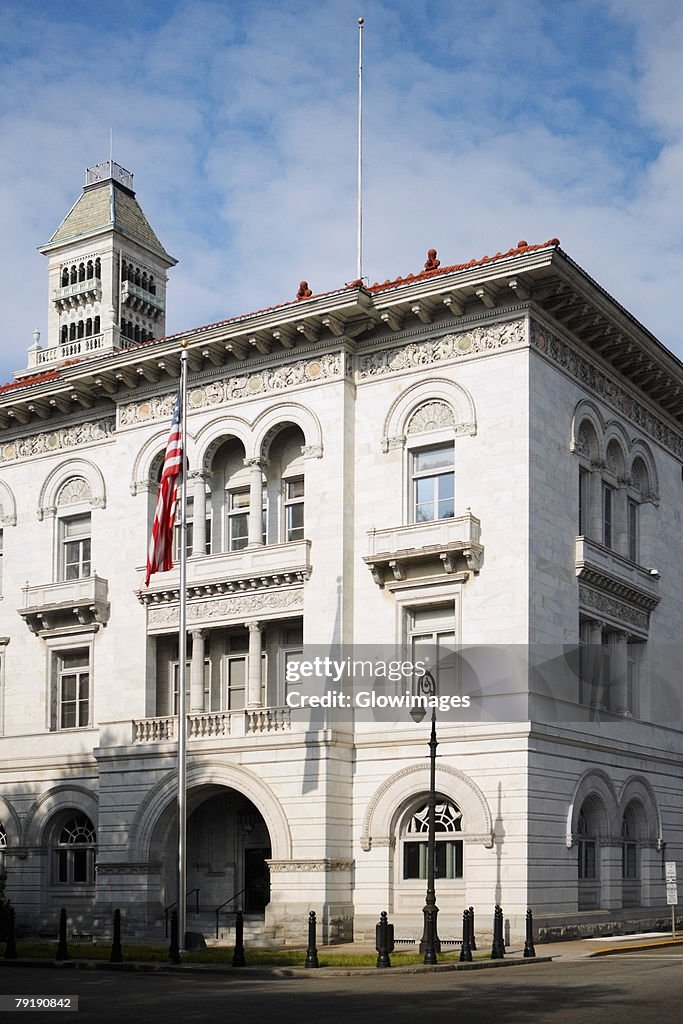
(160, 553)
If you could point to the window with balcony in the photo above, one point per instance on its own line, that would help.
(433, 483)
(71, 687)
(75, 547)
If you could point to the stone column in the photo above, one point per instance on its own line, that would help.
(597, 467)
(254, 666)
(197, 672)
(596, 699)
(198, 512)
(256, 467)
(621, 700)
(620, 526)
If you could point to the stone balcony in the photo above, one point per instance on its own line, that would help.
(614, 588)
(141, 300)
(77, 293)
(214, 724)
(442, 545)
(56, 606)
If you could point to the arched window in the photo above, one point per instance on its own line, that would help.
(136, 332)
(415, 841)
(72, 332)
(90, 270)
(144, 280)
(80, 329)
(64, 334)
(96, 325)
(137, 276)
(65, 277)
(98, 267)
(152, 286)
(81, 271)
(73, 276)
(124, 271)
(74, 852)
(88, 327)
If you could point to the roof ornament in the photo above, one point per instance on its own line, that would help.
(432, 262)
(304, 291)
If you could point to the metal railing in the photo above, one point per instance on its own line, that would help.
(218, 909)
(172, 905)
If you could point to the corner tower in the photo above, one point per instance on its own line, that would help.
(106, 273)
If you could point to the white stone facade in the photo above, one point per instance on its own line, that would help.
(487, 456)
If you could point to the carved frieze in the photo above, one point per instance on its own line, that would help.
(262, 381)
(419, 354)
(62, 439)
(228, 607)
(594, 379)
(613, 608)
(324, 864)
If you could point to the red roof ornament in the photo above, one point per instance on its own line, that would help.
(432, 262)
(304, 291)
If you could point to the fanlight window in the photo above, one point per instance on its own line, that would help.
(75, 853)
(448, 850)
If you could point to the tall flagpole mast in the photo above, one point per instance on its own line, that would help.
(359, 241)
(182, 663)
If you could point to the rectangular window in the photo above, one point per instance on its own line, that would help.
(584, 501)
(73, 689)
(632, 513)
(607, 515)
(587, 861)
(189, 516)
(75, 544)
(629, 861)
(433, 484)
(447, 859)
(238, 519)
(294, 509)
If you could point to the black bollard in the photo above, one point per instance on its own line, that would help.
(174, 948)
(116, 953)
(311, 952)
(11, 944)
(238, 955)
(473, 941)
(466, 949)
(497, 948)
(529, 948)
(62, 951)
(384, 940)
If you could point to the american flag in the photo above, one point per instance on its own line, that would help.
(160, 553)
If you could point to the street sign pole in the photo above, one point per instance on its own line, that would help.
(671, 892)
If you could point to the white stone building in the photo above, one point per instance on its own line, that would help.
(486, 455)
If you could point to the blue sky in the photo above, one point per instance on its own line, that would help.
(485, 123)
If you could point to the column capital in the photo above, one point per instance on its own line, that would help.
(254, 626)
(256, 463)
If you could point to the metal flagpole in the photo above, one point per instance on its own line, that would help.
(182, 663)
(359, 241)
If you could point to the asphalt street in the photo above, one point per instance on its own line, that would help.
(645, 986)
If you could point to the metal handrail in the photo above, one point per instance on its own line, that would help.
(171, 905)
(218, 909)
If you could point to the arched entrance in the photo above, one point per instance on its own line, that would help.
(228, 844)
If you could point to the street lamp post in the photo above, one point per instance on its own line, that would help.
(429, 943)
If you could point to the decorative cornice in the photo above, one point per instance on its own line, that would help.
(300, 866)
(62, 439)
(614, 609)
(606, 388)
(442, 349)
(122, 868)
(227, 390)
(227, 608)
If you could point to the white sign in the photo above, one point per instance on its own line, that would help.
(670, 870)
(672, 893)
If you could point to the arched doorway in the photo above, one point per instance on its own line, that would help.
(228, 845)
